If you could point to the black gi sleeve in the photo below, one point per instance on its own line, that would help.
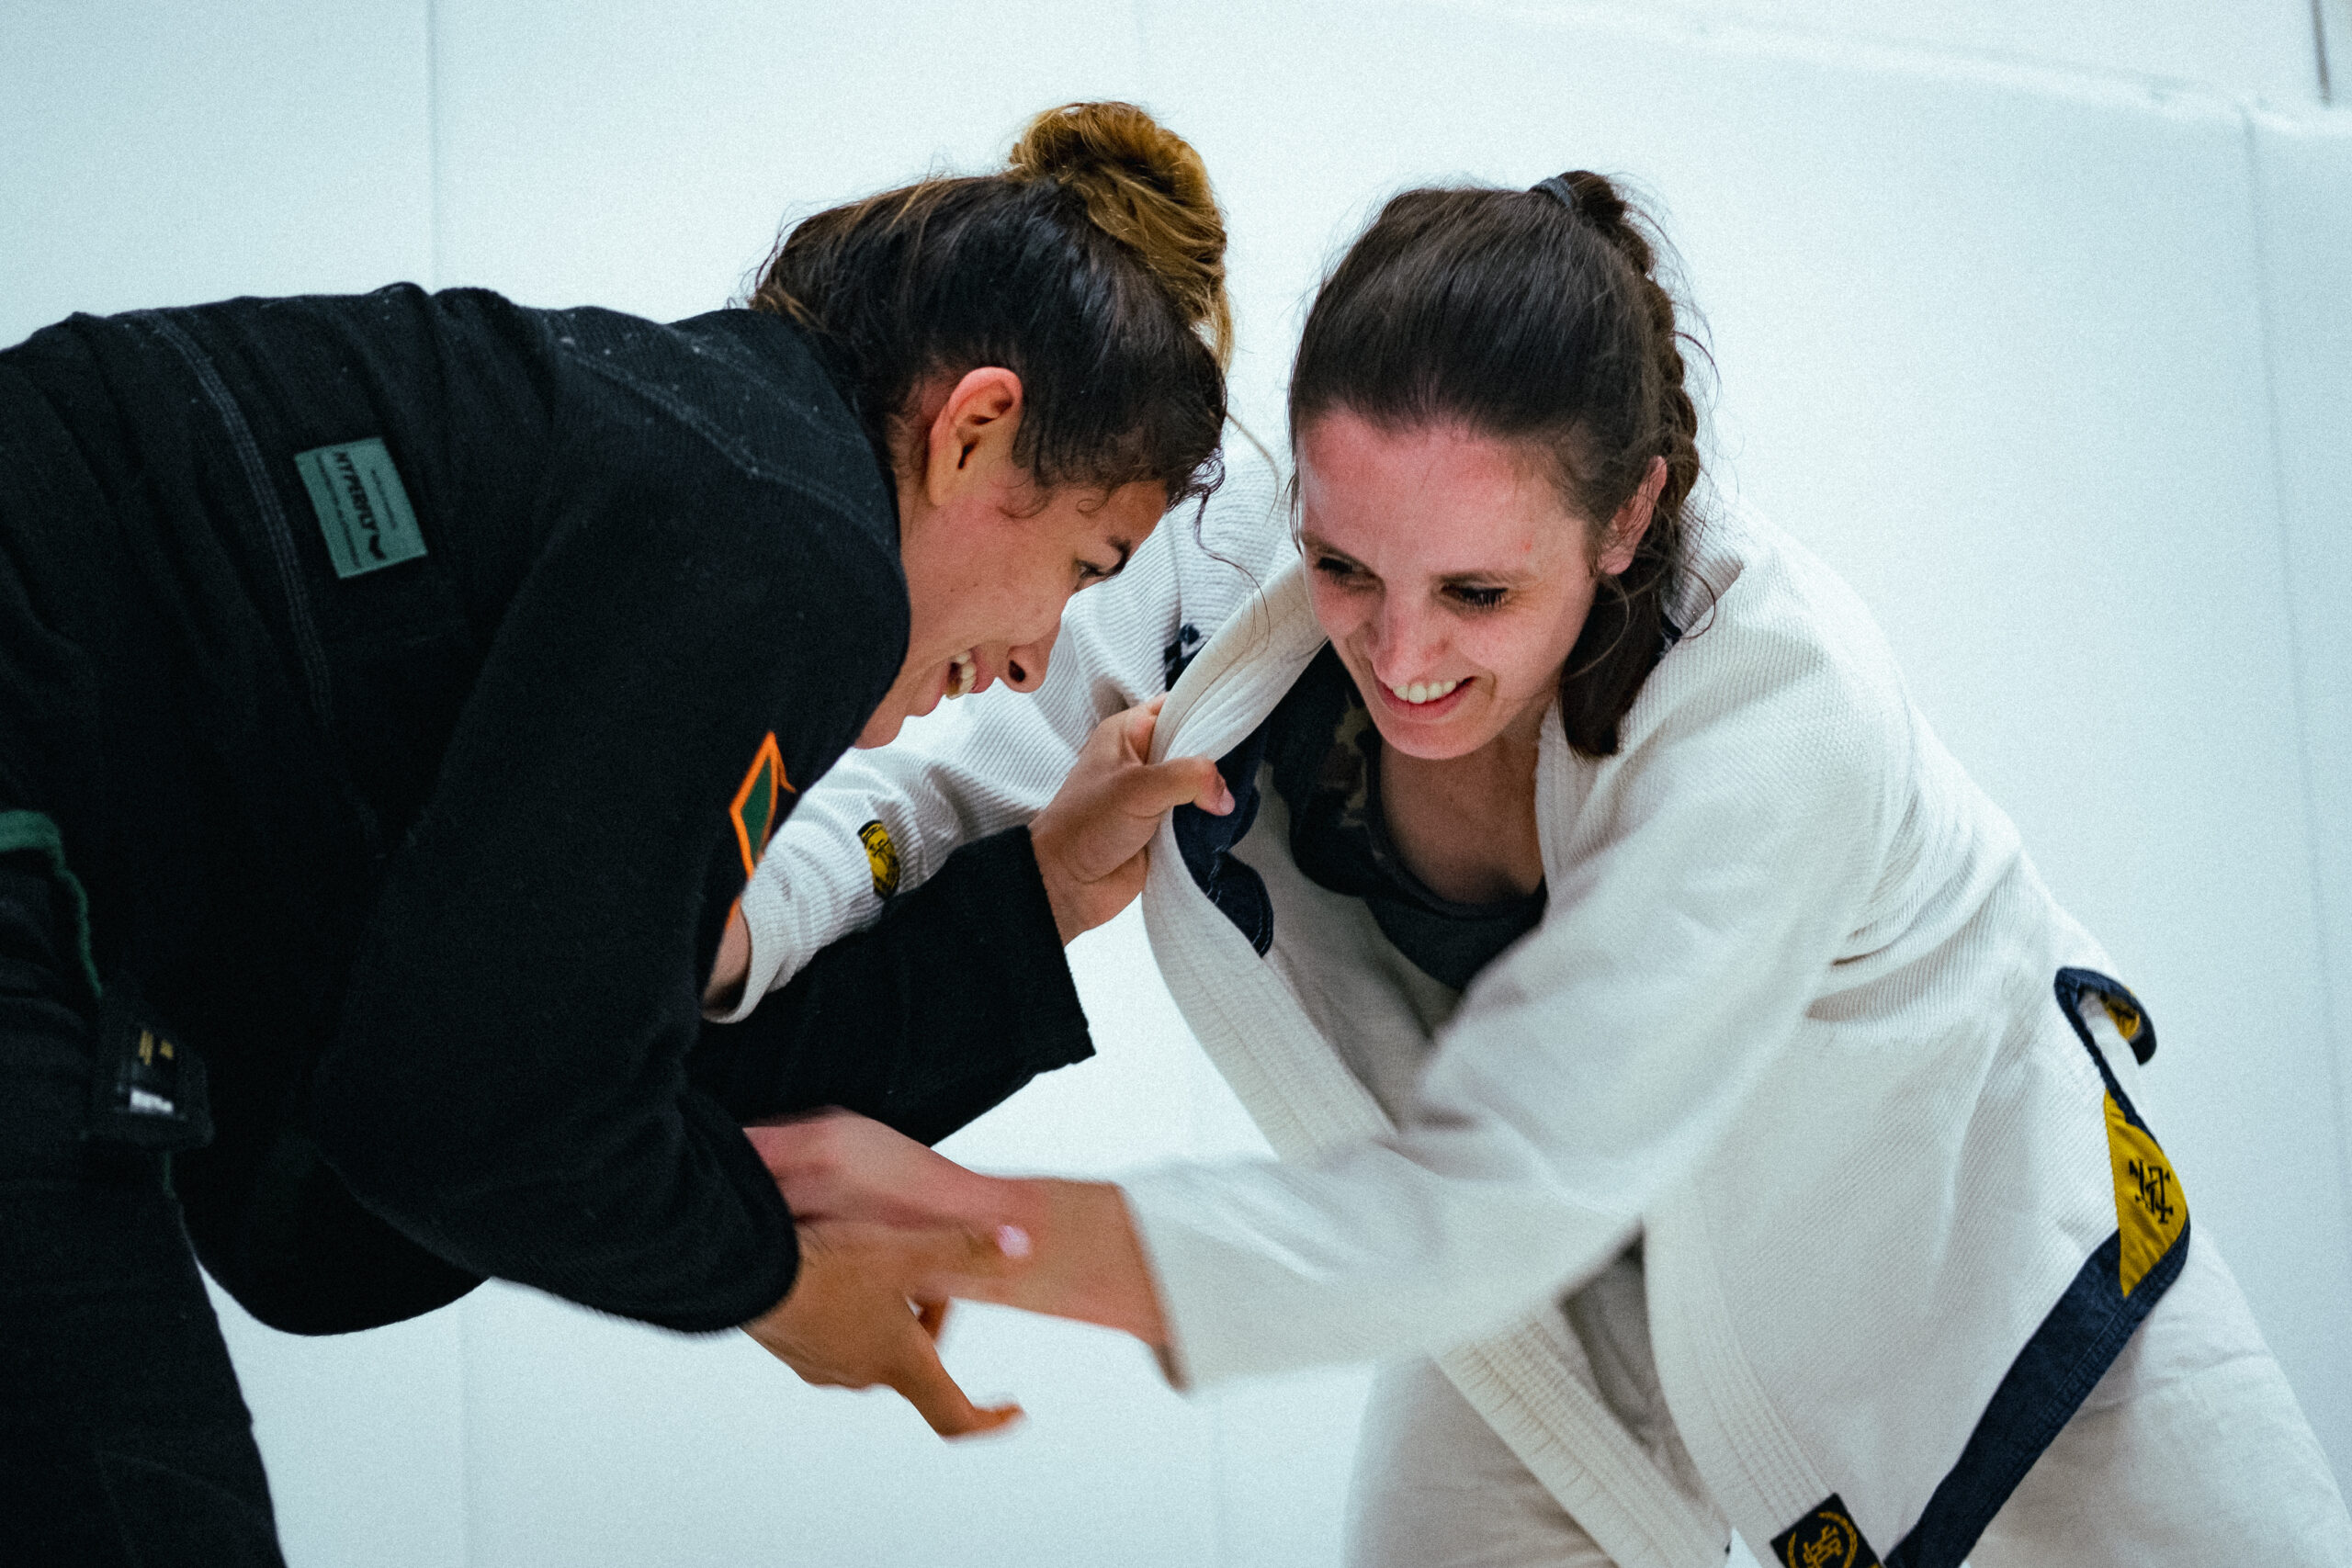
(507, 1084)
(953, 1000)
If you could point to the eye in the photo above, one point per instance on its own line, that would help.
(1338, 568)
(1088, 574)
(1473, 597)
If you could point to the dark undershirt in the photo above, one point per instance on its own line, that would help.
(1326, 756)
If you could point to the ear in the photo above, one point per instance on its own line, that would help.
(1632, 521)
(971, 440)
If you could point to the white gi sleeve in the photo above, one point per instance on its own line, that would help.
(882, 821)
(1699, 892)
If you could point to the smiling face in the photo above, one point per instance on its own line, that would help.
(1450, 576)
(987, 582)
(989, 561)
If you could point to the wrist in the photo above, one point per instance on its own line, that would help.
(1092, 1255)
(732, 965)
(1065, 894)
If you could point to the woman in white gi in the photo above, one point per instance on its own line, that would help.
(1663, 1035)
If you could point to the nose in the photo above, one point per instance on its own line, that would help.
(1404, 639)
(1024, 663)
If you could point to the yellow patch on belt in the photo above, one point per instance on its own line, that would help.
(758, 805)
(2150, 1208)
(1826, 1537)
(881, 857)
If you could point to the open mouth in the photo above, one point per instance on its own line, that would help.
(963, 674)
(1423, 699)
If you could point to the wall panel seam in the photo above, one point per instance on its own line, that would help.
(2319, 50)
(2299, 654)
(432, 144)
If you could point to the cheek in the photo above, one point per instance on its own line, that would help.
(1340, 612)
(1523, 653)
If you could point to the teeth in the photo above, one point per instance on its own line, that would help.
(1421, 692)
(966, 674)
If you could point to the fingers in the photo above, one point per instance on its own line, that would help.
(1150, 790)
(1214, 795)
(846, 1322)
(925, 1383)
(1136, 726)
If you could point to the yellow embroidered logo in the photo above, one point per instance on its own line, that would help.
(2149, 1207)
(2126, 1017)
(758, 805)
(881, 857)
(1826, 1537)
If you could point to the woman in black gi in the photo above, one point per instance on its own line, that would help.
(398, 691)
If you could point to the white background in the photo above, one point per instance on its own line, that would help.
(2034, 315)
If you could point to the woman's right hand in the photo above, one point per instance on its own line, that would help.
(1089, 841)
(858, 1315)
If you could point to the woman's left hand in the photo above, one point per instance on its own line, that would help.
(837, 1165)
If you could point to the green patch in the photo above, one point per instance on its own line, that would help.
(754, 810)
(36, 833)
(363, 508)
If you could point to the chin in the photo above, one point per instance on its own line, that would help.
(880, 730)
(1433, 743)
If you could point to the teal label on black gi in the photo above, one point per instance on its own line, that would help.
(362, 509)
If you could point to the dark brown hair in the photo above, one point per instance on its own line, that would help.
(1534, 317)
(1092, 268)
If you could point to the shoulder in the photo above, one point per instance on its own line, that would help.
(1781, 671)
(740, 389)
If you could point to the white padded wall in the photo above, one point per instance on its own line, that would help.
(641, 156)
(2304, 185)
(161, 154)
(2258, 49)
(2032, 317)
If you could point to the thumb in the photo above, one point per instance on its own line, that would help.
(1184, 781)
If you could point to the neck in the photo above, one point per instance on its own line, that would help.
(1466, 825)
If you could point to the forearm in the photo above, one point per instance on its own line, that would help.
(953, 1001)
(882, 823)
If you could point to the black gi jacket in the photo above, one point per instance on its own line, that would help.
(426, 853)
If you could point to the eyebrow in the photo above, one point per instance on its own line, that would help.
(1447, 578)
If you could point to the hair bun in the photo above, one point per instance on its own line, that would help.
(1594, 197)
(1145, 186)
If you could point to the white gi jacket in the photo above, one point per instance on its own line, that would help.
(1799, 1015)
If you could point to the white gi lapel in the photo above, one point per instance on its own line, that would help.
(1298, 1088)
